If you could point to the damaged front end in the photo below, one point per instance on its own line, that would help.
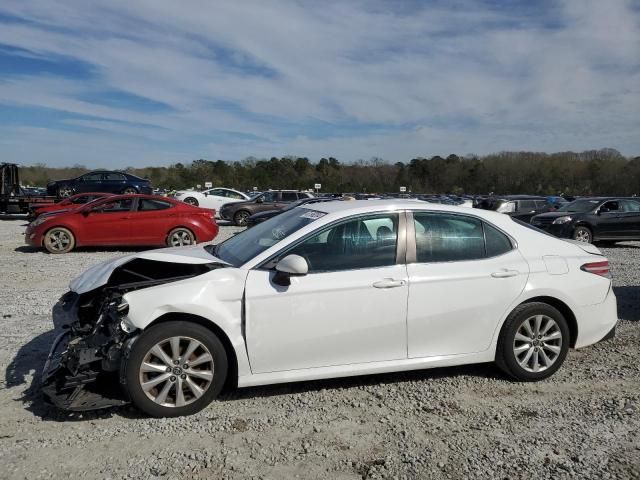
(85, 367)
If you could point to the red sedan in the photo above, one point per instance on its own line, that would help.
(70, 203)
(132, 220)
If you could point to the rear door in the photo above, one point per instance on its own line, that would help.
(463, 275)
(151, 221)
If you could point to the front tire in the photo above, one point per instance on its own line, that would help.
(59, 240)
(241, 217)
(191, 201)
(533, 342)
(129, 191)
(175, 369)
(583, 234)
(180, 237)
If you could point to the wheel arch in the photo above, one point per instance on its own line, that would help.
(232, 359)
(563, 308)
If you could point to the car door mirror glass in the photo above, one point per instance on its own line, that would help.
(259, 200)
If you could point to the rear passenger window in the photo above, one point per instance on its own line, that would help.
(497, 242)
(148, 204)
(448, 238)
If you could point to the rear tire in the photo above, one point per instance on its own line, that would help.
(582, 234)
(180, 237)
(129, 191)
(241, 217)
(533, 342)
(161, 354)
(59, 240)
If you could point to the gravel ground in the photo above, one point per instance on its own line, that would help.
(443, 423)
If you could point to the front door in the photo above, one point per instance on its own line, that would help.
(108, 223)
(465, 275)
(611, 220)
(91, 182)
(350, 308)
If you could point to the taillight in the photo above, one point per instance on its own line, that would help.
(597, 268)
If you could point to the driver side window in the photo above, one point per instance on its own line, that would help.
(269, 197)
(611, 206)
(123, 205)
(364, 242)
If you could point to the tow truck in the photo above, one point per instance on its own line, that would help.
(13, 198)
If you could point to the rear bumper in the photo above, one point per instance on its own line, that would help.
(597, 322)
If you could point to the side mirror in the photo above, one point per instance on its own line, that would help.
(603, 210)
(259, 200)
(290, 266)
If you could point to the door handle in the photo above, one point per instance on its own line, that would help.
(505, 274)
(389, 283)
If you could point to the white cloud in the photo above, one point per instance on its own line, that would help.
(407, 81)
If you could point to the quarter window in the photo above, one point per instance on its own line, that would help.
(496, 242)
(365, 242)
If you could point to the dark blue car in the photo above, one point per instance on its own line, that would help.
(100, 181)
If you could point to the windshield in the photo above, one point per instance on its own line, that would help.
(242, 247)
(580, 206)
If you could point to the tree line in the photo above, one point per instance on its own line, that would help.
(593, 172)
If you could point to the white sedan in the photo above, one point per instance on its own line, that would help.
(213, 198)
(326, 290)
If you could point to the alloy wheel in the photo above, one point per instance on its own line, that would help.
(537, 343)
(58, 240)
(65, 192)
(181, 238)
(241, 218)
(582, 235)
(191, 201)
(176, 371)
(129, 191)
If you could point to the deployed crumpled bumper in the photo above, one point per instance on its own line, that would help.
(82, 370)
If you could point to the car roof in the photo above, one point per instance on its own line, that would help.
(365, 206)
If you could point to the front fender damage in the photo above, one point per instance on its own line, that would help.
(85, 366)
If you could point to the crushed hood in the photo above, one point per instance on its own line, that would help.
(99, 274)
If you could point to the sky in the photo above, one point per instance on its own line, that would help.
(117, 83)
